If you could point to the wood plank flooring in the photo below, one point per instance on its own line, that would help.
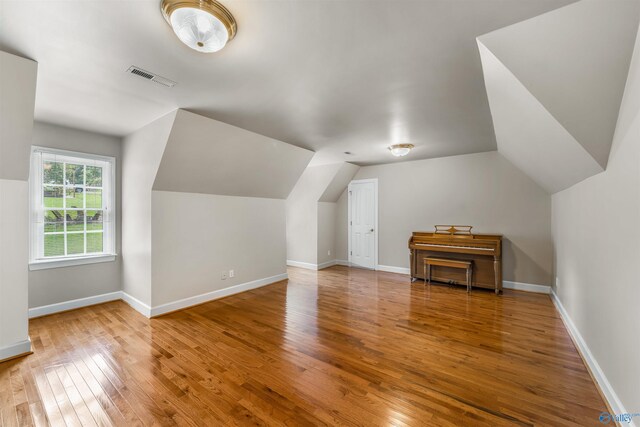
(335, 347)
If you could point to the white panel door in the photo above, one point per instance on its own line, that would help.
(363, 208)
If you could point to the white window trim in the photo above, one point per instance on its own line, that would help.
(69, 262)
(35, 191)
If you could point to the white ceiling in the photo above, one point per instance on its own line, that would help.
(209, 157)
(529, 136)
(557, 123)
(590, 44)
(330, 76)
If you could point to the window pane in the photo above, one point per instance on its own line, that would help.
(52, 197)
(52, 173)
(53, 221)
(72, 211)
(94, 176)
(94, 242)
(53, 245)
(94, 220)
(75, 174)
(94, 198)
(75, 243)
(75, 220)
(75, 197)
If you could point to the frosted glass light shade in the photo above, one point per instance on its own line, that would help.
(199, 29)
(400, 150)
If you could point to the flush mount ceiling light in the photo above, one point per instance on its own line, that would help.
(203, 25)
(400, 150)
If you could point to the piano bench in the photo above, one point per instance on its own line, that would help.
(446, 262)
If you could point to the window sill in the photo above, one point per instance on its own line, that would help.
(69, 262)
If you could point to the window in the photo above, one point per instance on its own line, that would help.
(72, 208)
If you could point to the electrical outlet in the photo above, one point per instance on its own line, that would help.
(232, 273)
(557, 281)
(223, 276)
(329, 252)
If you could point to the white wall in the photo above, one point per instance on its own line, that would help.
(483, 190)
(340, 234)
(179, 234)
(326, 232)
(17, 100)
(14, 255)
(198, 236)
(56, 285)
(311, 212)
(597, 251)
(302, 213)
(141, 155)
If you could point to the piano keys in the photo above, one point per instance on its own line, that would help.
(457, 242)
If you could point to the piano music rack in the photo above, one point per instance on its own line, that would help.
(454, 229)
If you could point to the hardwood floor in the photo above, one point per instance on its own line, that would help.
(336, 347)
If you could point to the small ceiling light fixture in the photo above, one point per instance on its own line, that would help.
(400, 150)
(203, 25)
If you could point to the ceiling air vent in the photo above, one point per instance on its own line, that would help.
(147, 75)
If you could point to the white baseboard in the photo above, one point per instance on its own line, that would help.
(343, 262)
(17, 349)
(301, 264)
(73, 304)
(391, 269)
(136, 304)
(210, 296)
(527, 287)
(609, 393)
(327, 264)
(310, 266)
(145, 309)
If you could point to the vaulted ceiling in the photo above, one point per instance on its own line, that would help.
(330, 76)
(555, 108)
(205, 156)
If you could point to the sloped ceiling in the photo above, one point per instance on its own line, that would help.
(555, 108)
(529, 136)
(203, 155)
(344, 174)
(142, 153)
(313, 183)
(17, 100)
(330, 76)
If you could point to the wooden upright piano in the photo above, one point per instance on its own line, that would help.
(457, 242)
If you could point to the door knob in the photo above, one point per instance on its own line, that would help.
(371, 230)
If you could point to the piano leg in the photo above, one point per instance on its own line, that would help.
(413, 279)
(497, 271)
